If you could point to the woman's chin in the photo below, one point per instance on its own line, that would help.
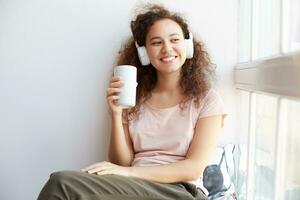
(169, 70)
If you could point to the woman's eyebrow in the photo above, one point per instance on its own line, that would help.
(154, 38)
(174, 34)
(157, 37)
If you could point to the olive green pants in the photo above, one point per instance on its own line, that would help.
(72, 185)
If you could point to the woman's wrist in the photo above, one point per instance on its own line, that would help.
(116, 116)
(116, 113)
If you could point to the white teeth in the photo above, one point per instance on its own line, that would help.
(168, 59)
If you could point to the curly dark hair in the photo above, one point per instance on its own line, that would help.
(196, 73)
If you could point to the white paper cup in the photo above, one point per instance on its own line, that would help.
(128, 74)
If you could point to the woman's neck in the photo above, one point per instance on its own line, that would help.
(168, 83)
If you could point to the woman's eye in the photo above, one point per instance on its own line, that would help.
(175, 40)
(156, 43)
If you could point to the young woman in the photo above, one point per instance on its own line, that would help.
(160, 147)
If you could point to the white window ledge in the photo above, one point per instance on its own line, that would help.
(280, 75)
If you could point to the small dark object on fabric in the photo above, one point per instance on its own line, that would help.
(213, 178)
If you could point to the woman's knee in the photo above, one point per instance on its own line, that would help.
(63, 176)
(56, 186)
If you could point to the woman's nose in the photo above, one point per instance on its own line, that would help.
(167, 47)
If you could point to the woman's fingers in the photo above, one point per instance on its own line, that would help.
(105, 167)
(96, 170)
(115, 78)
(97, 167)
(111, 91)
(104, 172)
(116, 81)
(114, 87)
(116, 84)
(112, 98)
(89, 167)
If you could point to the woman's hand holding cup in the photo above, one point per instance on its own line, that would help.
(122, 88)
(113, 94)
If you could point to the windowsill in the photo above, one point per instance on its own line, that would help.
(278, 75)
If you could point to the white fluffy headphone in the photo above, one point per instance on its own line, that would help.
(142, 53)
(144, 58)
(189, 46)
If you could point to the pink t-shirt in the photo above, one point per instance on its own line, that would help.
(162, 136)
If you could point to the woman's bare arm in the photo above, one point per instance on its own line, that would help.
(120, 147)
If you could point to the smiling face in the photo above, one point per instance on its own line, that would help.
(165, 46)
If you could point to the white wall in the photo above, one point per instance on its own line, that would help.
(55, 62)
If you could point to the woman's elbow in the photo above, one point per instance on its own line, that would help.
(194, 174)
(124, 161)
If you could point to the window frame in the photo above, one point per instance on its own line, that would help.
(277, 75)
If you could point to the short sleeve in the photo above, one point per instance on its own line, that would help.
(212, 105)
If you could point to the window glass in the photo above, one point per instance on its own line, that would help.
(266, 28)
(243, 115)
(244, 31)
(292, 150)
(291, 26)
(265, 144)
